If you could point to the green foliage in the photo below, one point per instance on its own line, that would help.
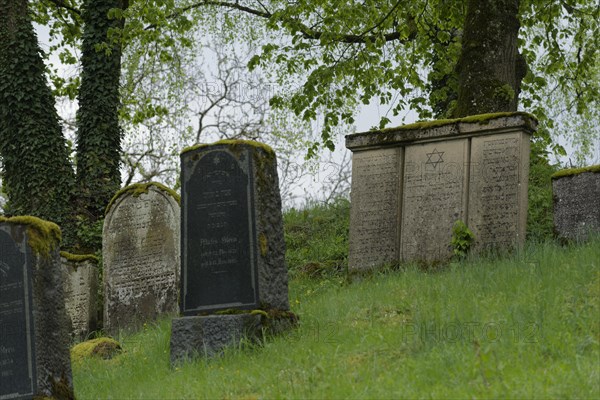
(317, 239)
(462, 239)
(540, 222)
(98, 133)
(518, 327)
(37, 176)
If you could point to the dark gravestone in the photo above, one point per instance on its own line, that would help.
(34, 327)
(233, 248)
(17, 377)
(577, 203)
(220, 233)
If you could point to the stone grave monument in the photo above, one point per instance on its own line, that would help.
(80, 277)
(412, 183)
(234, 276)
(140, 252)
(576, 195)
(34, 327)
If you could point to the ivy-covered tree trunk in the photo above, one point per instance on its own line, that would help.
(36, 173)
(490, 68)
(98, 134)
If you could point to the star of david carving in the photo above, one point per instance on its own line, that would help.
(216, 160)
(434, 158)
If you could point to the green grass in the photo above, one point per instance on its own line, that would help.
(522, 326)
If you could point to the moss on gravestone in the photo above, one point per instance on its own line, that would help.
(230, 142)
(79, 257)
(576, 171)
(137, 189)
(42, 235)
(479, 119)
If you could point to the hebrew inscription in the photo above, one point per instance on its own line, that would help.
(81, 288)
(219, 266)
(433, 198)
(374, 229)
(141, 258)
(498, 189)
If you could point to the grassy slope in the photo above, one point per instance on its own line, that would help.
(526, 326)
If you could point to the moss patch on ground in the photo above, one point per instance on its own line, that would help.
(104, 347)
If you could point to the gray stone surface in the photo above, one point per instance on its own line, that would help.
(233, 247)
(474, 170)
(34, 327)
(577, 205)
(207, 336)
(498, 190)
(433, 197)
(80, 277)
(141, 257)
(375, 207)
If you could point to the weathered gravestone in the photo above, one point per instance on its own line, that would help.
(80, 277)
(576, 202)
(412, 183)
(233, 248)
(34, 327)
(140, 252)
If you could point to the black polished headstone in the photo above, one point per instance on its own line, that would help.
(17, 350)
(219, 260)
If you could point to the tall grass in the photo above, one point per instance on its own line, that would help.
(520, 326)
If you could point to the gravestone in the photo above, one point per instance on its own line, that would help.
(576, 202)
(80, 277)
(34, 327)
(233, 248)
(141, 257)
(412, 183)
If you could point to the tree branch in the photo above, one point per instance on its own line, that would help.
(63, 4)
(307, 32)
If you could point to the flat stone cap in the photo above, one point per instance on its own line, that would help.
(440, 129)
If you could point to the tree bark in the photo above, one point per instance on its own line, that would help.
(490, 68)
(37, 175)
(99, 134)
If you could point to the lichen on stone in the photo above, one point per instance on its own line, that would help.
(230, 142)
(42, 236)
(264, 244)
(576, 171)
(480, 119)
(141, 188)
(79, 257)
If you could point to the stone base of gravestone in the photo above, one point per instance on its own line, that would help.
(80, 277)
(410, 184)
(34, 326)
(208, 336)
(576, 202)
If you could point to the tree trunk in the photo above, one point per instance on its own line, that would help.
(37, 176)
(490, 68)
(99, 133)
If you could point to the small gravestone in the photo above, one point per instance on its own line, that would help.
(80, 277)
(410, 184)
(233, 248)
(34, 327)
(576, 202)
(140, 251)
